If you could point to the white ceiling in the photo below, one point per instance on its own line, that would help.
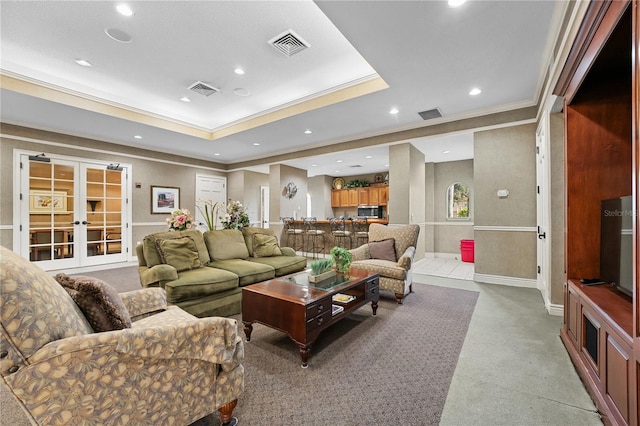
(428, 54)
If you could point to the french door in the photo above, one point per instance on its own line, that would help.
(72, 213)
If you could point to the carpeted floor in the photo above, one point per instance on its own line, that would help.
(394, 368)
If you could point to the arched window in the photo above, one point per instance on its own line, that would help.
(458, 201)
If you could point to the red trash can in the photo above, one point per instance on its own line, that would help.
(466, 250)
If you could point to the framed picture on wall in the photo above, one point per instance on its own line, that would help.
(164, 199)
(47, 201)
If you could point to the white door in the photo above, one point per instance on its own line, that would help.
(71, 213)
(209, 190)
(264, 206)
(542, 207)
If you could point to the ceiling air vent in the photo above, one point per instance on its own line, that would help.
(289, 43)
(203, 88)
(430, 114)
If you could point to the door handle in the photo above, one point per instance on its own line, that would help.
(84, 222)
(542, 236)
(77, 222)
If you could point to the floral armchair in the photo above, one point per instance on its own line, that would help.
(160, 366)
(390, 253)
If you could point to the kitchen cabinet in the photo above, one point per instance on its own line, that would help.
(354, 197)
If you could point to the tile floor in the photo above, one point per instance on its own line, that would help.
(444, 267)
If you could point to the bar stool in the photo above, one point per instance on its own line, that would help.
(292, 232)
(341, 233)
(313, 235)
(361, 230)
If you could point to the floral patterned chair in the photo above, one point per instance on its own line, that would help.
(158, 365)
(390, 253)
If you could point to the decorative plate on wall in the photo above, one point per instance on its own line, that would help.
(290, 190)
(338, 183)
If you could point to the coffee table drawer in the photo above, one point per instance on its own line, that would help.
(318, 320)
(318, 308)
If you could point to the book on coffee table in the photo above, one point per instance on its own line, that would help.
(343, 298)
(335, 309)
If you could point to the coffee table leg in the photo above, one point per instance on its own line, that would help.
(248, 328)
(304, 355)
(374, 306)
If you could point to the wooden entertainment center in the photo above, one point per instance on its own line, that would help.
(600, 83)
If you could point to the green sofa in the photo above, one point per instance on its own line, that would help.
(204, 273)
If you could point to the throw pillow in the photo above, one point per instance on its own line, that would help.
(265, 246)
(99, 302)
(384, 250)
(181, 253)
(226, 244)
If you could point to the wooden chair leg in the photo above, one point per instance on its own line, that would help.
(226, 413)
(399, 297)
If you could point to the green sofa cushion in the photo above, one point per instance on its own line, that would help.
(265, 246)
(248, 233)
(198, 283)
(247, 272)
(151, 255)
(181, 253)
(226, 244)
(282, 264)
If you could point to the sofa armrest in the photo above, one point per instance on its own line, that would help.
(406, 259)
(144, 301)
(156, 274)
(287, 251)
(360, 253)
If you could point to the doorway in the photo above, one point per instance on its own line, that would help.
(72, 212)
(209, 190)
(542, 210)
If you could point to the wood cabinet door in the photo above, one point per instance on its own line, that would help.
(335, 198)
(363, 197)
(374, 196)
(344, 197)
(353, 197)
(384, 195)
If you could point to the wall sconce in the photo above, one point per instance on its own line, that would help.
(40, 157)
(116, 167)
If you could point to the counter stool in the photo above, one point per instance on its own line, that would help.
(340, 231)
(361, 230)
(292, 232)
(314, 235)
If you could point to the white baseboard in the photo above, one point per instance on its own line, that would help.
(502, 280)
(442, 255)
(85, 269)
(555, 309)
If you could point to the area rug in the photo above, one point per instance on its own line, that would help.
(394, 368)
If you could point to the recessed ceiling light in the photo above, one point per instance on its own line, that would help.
(118, 35)
(314, 165)
(338, 161)
(456, 3)
(368, 156)
(446, 151)
(124, 10)
(307, 132)
(216, 153)
(394, 111)
(239, 71)
(83, 62)
(185, 99)
(475, 91)
(138, 137)
(337, 171)
(241, 91)
(256, 144)
(386, 165)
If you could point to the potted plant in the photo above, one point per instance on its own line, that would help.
(342, 258)
(321, 269)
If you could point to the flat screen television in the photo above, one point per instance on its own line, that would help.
(616, 243)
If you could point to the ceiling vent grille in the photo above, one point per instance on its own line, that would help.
(289, 43)
(431, 114)
(203, 88)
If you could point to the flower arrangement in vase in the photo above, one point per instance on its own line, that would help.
(235, 215)
(209, 211)
(180, 220)
(342, 258)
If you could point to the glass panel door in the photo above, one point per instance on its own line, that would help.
(104, 215)
(51, 210)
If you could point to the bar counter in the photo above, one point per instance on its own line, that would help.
(329, 240)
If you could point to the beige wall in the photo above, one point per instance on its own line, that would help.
(556, 236)
(148, 168)
(505, 159)
(320, 192)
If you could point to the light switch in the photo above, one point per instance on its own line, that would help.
(503, 193)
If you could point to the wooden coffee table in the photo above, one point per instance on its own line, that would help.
(303, 310)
